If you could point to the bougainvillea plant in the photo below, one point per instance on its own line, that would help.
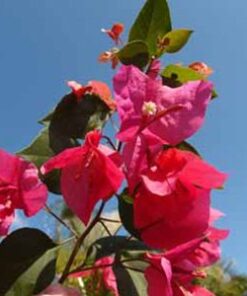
(163, 237)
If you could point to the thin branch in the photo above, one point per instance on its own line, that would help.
(109, 142)
(93, 267)
(79, 243)
(105, 227)
(67, 240)
(110, 220)
(119, 146)
(54, 215)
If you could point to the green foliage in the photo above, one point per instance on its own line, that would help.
(134, 53)
(174, 40)
(187, 147)
(39, 152)
(111, 245)
(130, 282)
(27, 257)
(176, 75)
(152, 22)
(126, 212)
(73, 118)
(225, 283)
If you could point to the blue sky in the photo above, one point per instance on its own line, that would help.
(45, 43)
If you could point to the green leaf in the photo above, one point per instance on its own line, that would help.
(39, 152)
(134, 53)
(126, 213)
(175, 40)
(130, 282)
(152, 22)
(46, 119)
(72, 119)
(178, 75)
(188, 147)
(110, 245)
(24, 255)
(37, 277)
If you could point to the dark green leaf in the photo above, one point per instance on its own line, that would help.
(37, 277)
(188, 147)
(134, 53)
(152, 22)
(126, 214)
(110, 245)
(39, 152)
(125, 284)
(174, 40)
(130, 282)
(179, 75)
(46, 119)
(73, 118)
(25, 253)
(214, 94)
(176, 75)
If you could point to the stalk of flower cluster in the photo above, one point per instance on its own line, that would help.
(54, 215)
(79, 243)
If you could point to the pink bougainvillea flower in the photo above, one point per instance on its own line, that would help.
(59, 290)
(154, 69)
(94, 87)
(20, 188)
(104, 275)
(172, 273)
(137, 156)
(89, 173)
(175, 198)
(115, 32)
(109, 56)
(201, 68)
(168, 114)
(209, 251)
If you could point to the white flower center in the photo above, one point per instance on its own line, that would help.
(149, 108)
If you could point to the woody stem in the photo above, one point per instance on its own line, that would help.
(79, 243)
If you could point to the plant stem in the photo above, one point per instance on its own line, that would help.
(109, 142)
(79, 243)
(67, 240)
(110, 220)
(105, 227)
(54, 215)
(91, 268)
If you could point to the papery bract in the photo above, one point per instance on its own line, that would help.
(201, 68)
(89, 173)
(174, 198)
(109, 56)
(103, 269)
(20, 188)
(93, 87)
(59, 290)
(209, 251)
(168, 114)
(115, 32)
(172, 273)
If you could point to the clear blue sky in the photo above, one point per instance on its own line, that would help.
(46, 42)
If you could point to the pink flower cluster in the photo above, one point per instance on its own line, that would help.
(20, 188)
(170, 188)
